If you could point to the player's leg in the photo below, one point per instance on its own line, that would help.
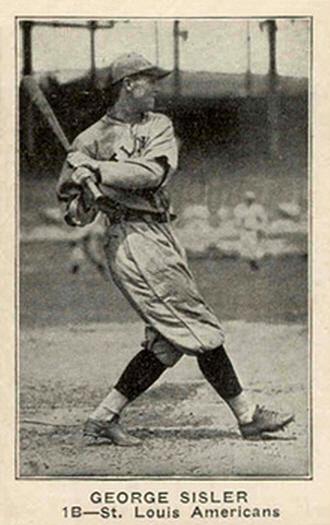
(218, 369)
(140, 374)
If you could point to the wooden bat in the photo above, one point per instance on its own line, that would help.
(38, 98)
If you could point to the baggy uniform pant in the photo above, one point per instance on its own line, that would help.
(149, 266)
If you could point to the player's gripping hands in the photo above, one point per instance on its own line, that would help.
(84, 168)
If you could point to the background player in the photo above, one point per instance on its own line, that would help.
(251, 221)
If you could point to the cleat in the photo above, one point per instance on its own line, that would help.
(74, 268)
(111, 430)
(254, 266)
(264, 421)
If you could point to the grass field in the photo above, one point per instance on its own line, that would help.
(50, 295)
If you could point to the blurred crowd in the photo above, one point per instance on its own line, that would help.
(247, 231)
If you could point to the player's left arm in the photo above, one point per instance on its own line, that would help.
(262, 220)
(76, 202)
(238, 218)
(151, 169)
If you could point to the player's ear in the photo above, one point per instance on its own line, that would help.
(128, 83)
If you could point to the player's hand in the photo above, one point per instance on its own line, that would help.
(76, 159)
(78, 214)
(81, 174)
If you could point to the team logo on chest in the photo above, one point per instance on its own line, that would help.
(128, 151)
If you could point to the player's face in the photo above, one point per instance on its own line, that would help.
(143, 92)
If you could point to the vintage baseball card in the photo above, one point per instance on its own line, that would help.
(164, 262)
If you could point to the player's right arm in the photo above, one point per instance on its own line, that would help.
(150, 169)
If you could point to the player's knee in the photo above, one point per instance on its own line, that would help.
(165, 352)
(169, 359)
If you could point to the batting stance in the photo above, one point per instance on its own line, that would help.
(131, 153)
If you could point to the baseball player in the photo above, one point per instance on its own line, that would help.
(251, 221)
(131, 153)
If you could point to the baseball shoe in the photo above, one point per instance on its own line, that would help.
(254, 266)
(264, 421)
(74, 268)
(111, 430)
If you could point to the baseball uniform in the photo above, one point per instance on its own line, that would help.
(132, 153)
(251, 220)
(145, 259)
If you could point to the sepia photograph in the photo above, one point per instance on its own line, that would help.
(164, 248)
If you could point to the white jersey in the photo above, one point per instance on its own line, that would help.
(251, 217)
(152, 139)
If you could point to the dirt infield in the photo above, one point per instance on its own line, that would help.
(187, 430)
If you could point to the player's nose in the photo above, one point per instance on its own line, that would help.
(155, 87)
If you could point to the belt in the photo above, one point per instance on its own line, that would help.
(138, 216)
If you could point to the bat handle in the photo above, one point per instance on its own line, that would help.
(89, 183)
(93, 188)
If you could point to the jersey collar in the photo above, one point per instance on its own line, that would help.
(108, 118)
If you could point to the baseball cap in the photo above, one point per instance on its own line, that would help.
(131, 64)
(250, 195)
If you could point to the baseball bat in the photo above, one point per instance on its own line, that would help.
(38, 98)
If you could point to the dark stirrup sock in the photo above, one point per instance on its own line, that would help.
(219, 372)
(141, 372)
